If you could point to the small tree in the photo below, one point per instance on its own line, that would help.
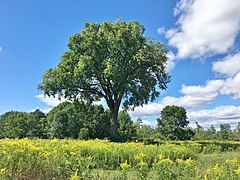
(14, 124)
(237, 132)
(78, 119)
(37, 124)
(200, 133)
(110, 60)
(225, 132)
(212, 133)
(173, 123)
(126, 129)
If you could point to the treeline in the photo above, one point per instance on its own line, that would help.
(86, 121)
(68, 120)
(224, 133)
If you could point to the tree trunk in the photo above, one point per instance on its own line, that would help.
(114, 104)
(114, 124)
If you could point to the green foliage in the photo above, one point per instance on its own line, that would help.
(64, 121)
(69, 120)
(95, 119)
(111, 60)
(237, 132)
(172, 123)
(83, 134)
(14, 124)
(37, 124)
(127, 130)
(145, 132)
(225, 132)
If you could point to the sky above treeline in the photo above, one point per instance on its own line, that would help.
(201, 35)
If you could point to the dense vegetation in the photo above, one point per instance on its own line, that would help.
(85, 121)
(100, 159)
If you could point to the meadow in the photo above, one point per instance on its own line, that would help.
(36, 159)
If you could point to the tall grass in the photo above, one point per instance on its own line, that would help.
(101, 159)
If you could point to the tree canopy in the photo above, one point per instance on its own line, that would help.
(110, 60)
(173, 123)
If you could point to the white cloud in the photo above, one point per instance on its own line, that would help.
(151, 109)
(0, 49)
(193, 97)
(161, 30)
(50, 101)
(196, 96)
(171, 63)
(220, 115)
(206, 118)
(229, 66)
(232, 87)
(204, 27)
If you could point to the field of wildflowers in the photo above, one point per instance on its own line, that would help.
(26, 159)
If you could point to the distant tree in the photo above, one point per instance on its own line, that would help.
(126, 130)
(68, 119)
(64, 121)
(110, 60)
(199, 133)
(212, 133)
(59, 126)
(14, 124)
(96, 120)
(173, 123)
(144, 131)
(37, 124)
(139, 123)
(237, 132)
(225, 132)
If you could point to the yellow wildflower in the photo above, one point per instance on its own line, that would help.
(142, 164)
(125, 165)
(139, 156)
(161, 156)
(232, 161)
(75, 176)
(216, 168)
(166, 161)
(237, 171)
(189, 161)
(3, 171)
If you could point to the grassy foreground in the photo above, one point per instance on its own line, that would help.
(99, 159)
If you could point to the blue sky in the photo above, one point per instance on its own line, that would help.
(202, 36)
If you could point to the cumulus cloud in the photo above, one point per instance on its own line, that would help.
(196, 96)
(219, 115)
(193, 97)
(229, 66)
(152, 109)
(231, 87)
(204, 27)
(50, 101)
(205, 117)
